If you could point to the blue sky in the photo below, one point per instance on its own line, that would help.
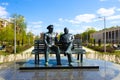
(77, 15)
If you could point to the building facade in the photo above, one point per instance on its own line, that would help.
(3, 23)
(112, 35)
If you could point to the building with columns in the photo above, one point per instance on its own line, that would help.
(112, 35)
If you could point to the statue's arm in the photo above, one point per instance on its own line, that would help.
(70, 44)
(72, 38)
(45, 39)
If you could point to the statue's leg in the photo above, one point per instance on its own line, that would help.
(69, 58)
(46, 56)
(57, 50)
(69, 53)
(68, 48)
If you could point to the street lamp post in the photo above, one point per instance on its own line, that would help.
(104, 34)
(14, 35)
(87, 38)
(104, 18)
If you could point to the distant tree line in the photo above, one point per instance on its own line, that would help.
(85, 36)
(22, 37)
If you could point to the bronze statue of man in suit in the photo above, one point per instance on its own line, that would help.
(50, 39)
(66, 40)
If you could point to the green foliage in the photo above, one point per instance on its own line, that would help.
(117, 53)
(3, 53)
(10, 49)
(78, 36)
(86, 35)
(109, 49)
(59, 35)
(22, 48)
(91, 40)
(30, 38)
(7, 33)
(22, 37)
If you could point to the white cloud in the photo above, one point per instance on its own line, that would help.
(35, 27)
(81, 29)
(60, 19)
(113, 17)
(57, 25)
(76, 31)
(106, 12)
(115, 22)
(80, 18)
(103, 0)
(3, 12)
(58, 30)
(36, 23)
(118, 9)
(84, 18)
(37, 31)
(4, 4)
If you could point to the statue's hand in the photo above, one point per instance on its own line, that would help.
(48, 45)
(67, 52)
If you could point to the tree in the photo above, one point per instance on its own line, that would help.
(9, 34)
(30, 38)
(86, 34)
(20, 28)
(78, 36)
(6, 34)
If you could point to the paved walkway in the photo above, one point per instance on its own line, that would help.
(107, 71)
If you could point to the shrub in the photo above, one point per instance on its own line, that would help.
(22, 48)
(9, 49)
(101, 49)
(110, 49)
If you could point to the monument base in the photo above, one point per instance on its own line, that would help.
(59, 67)
(30, 65)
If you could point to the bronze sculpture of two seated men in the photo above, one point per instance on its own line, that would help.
(50, 40)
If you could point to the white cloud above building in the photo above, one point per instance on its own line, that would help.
(80, 19)
(3, 12)
(114, 17)
(106, 11)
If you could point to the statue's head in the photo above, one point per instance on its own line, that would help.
(66, 30)
(50, 28)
